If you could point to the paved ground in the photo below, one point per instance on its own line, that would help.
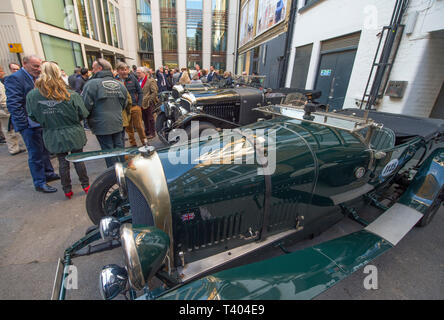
(35, 229)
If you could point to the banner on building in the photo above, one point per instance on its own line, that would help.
(270, 13)
(247, 22)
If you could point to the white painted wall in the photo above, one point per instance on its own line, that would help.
(233, 9)
(419, 59)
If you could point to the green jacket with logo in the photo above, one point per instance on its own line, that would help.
(60, 120)
(105, 98)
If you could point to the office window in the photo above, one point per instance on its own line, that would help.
(107, 22)
(92, 20)
(144, 25)
(100, 18)
(168, 25)
(81, 8)
(194, 11)
(59, 13)
(113, 25)
(219, 33)
(66, 53)
(119, 29)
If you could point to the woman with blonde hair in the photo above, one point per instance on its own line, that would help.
(185, 78)
(60, 112)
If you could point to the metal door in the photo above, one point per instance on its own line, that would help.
(334, 76)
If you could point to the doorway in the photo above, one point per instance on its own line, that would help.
(333, 77)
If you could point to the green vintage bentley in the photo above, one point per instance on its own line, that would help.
(183, 214)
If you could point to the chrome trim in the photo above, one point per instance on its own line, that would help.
(132, 262)
(120, 175)
(148, 176)
(196, 269)
(190, 97)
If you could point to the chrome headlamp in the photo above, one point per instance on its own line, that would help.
(110, 228)
(120, 175)
(178, 91)
(145, 250)
(191, 98)
(113, 280)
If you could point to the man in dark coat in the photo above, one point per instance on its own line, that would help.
(80, 81)
(161, 80)
(72, 78)
(17, 87)
(105, 98)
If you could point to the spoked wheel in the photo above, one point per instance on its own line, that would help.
(104, 199)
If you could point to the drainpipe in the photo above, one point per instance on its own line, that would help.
(284, 65)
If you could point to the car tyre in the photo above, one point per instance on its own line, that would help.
(103, 188)
(202, 127)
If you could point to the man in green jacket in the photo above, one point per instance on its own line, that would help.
(105, 98)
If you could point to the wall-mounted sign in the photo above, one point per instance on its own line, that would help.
(325, 72)
(15, 47)
(396, 89)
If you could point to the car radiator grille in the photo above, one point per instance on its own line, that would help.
(198, 234)
(226, 112)
(140, 210)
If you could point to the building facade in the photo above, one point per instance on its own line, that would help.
(152, 33)
(334, 44)
(182, 33)
(70, 32)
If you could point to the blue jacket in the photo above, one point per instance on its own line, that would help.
(17, 86)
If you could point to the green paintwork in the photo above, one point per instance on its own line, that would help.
(303, 274)
(427, 184)
(313, 164)
(151, 245)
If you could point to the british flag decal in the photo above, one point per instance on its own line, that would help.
(188, 216)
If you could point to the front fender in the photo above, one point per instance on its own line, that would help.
(427, 184)
(101, 154)
(185, 121)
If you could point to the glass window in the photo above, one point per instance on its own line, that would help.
(59, 13)
(145, 26)
(100, 18)
(66, 53)
(113, 25)
(119, 29)
(92, 20)
(219, 34)
(168, 25)
(107, 22)
(194, 9)
(82, 17)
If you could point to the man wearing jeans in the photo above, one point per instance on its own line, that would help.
(105, 98)
(17, 87)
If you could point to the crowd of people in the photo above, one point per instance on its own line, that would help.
(45, 112)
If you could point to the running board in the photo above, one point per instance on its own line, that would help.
(395, 223)
(195, 269)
